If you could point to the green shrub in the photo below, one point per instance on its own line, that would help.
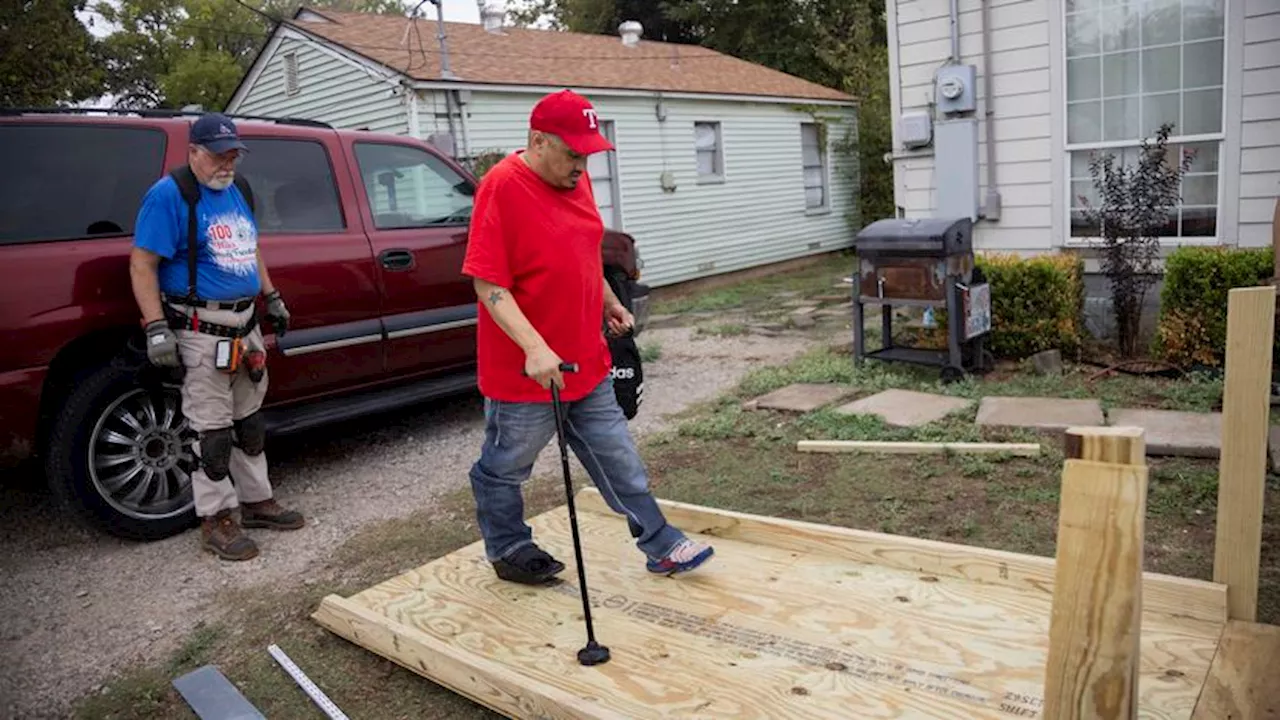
(1037, 303)
(1193, 302)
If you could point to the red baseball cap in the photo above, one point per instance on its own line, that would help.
(570, 117)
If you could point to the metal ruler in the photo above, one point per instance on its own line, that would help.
(316, 694)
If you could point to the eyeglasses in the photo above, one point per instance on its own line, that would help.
(229, 159)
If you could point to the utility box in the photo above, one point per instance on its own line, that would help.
(915, 129)
(955, 168)
(957, 89)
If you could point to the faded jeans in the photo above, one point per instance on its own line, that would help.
(596, 430)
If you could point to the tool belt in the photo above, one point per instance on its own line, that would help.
(235, 306)
(179, 321)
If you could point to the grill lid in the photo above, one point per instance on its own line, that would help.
(935, 236)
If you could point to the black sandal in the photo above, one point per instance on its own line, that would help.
(530, 565)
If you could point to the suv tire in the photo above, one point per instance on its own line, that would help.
(120, 454)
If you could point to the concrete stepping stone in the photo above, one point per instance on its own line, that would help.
(1042, 413)
(1168, 432)
(800, 397)
(906, 408)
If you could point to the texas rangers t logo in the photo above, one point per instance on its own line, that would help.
(590, 115)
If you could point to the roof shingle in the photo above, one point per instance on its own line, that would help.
(521, 56)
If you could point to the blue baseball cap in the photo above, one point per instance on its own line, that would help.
(216, 132)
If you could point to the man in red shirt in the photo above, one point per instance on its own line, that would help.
(534, 253)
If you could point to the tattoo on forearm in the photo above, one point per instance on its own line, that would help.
(494, 297)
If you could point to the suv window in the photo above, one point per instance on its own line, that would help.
(70, 181)
(409, 187)
(293, 186)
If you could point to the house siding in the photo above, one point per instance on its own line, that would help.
(1022, 101)
(330, 89)
(755, 216)
(1259, 123)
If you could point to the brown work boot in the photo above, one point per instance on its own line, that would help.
(222, 536)
(268, 514)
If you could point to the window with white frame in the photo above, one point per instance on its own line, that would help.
(706, 141)
(1132, 66)
(603, 169)
(814, 157)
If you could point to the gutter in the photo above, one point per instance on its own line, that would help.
(991, 203)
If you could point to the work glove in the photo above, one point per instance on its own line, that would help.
(277, 313)
(162, 344)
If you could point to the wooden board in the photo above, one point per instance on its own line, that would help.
(1243, 683)
(793, 626)
(1242, 469)
(918, 448)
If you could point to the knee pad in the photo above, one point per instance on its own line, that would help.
(215, 453)
(252, 433)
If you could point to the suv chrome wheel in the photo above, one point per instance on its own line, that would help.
(140, 455)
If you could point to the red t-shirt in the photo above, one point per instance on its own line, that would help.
(544, 244)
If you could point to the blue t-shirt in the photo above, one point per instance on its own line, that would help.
(227, 261)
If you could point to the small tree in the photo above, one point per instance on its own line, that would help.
(1134, 207)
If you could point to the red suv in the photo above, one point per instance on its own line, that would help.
(364, 234)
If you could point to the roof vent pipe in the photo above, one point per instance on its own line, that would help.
(630, 32)
(492, 17)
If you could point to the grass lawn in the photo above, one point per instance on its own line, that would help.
(722, 455)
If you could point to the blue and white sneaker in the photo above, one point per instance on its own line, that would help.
(685, 556)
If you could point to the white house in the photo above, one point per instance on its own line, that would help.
(720, 165)
(1056, 79)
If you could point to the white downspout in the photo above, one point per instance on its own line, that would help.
(466, 142)
(415, 119)
(991, 204)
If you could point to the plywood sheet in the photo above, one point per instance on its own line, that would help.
(765, 630)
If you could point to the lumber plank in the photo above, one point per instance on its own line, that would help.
(1113, 444)
(1164, 594)
(467, 673)
(1243, 462)
(759, 633)
(512, 649)
(1243, 682)
(1096, 622)
(917, 448)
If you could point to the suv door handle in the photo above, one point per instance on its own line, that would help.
(396, 259)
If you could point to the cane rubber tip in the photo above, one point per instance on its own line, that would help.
(593, 654)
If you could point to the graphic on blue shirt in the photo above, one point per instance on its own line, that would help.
(227, 261)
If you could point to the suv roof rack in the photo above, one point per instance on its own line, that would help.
(158, 113)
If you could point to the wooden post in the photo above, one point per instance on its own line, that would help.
(1121, 445)
(1242, 467)
(1095, 626)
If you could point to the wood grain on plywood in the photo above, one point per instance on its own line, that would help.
(762, 631)
(1243, 682)
(1096, 622)
(1164, 594)
(1243, 462)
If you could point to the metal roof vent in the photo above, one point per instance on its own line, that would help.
(631, 32)
(492, 17)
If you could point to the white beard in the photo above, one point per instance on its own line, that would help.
(223, 183)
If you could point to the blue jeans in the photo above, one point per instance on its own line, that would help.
(596, 430)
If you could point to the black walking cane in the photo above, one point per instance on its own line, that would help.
(593, 653)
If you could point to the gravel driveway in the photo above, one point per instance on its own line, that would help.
(78, 607)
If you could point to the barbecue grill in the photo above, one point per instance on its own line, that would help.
(923, 262)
